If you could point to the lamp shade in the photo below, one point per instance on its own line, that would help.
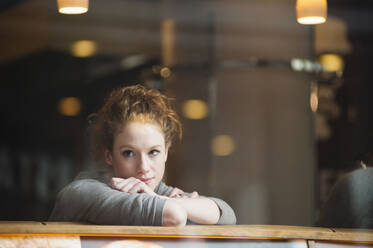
(72, 6)
(311, 11)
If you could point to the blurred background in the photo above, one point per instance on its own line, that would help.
(274, 111)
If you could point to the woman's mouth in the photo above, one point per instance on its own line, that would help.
(147, 180)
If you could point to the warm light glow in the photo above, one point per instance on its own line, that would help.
(332, 62)
(195, 109)
(311, 20)
(168, 41)
(73, 10)
(314, 101)
(223, 145)
(70, 106)
(311, 11)
(131, 244)
(314, 97)
(48, 240)
(165, 72)
(83, 48)
(72, 6)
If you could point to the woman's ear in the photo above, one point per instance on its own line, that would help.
(108, 157)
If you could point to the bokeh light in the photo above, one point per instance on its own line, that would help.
(70, 106)
(83, 48)
(223, 145)
(195, 109)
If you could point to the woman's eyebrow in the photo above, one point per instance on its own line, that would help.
(127, 146)
(132, 147)
(155, 146)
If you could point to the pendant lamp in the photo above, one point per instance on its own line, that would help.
(311, 11)
(72, 6)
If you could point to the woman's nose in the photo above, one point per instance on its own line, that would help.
(143, 165)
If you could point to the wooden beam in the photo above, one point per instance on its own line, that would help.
(192, 231)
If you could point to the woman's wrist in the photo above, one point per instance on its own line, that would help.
(173, 214)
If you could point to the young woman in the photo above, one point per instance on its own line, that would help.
(132, 134)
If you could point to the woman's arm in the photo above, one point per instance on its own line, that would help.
(92, 201)
(200, 210)
(227, 215)
(180, 206)
(173, 214)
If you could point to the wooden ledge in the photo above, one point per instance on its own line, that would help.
(198, 231)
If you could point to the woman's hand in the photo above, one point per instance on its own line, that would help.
(130, 185)
(178, 193)
(194, 194)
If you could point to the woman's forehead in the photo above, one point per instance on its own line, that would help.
(140, 133)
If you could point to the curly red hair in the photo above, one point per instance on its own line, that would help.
(133, 103)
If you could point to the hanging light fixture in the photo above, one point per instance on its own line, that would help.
(311, 11)
(72, 6)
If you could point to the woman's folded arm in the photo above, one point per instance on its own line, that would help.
(92, 201)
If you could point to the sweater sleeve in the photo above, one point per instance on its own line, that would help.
(227, 215)
(92, 201)
(163, 189)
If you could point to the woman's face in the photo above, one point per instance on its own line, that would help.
(140, 151)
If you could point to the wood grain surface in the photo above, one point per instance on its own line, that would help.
(204, 231)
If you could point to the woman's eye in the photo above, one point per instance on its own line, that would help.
(127, 153)
(154, 152)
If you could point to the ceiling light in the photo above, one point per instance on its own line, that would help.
(311, 11)
(72, 7)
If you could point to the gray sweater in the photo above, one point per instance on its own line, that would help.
(93, 200)
(350, 204)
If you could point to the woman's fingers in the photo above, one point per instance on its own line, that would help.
(123, 184)
(194, 194)
(130, 185)
(140, 187)
(137, 188)
(176, 193)
(133, 185)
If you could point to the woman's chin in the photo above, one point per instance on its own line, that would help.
(153, 185)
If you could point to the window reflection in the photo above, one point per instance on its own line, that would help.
(294, 100)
